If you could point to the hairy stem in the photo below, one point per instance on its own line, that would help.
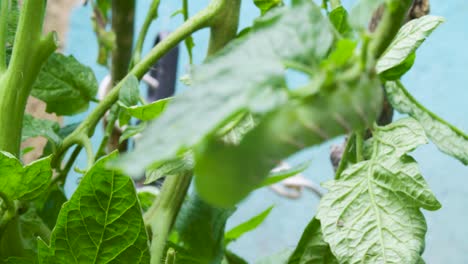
(30, 52)
(161, 216)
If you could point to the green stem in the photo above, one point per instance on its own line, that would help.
(123, 17)
(113, 116)
(161, 216)
(391, 22)
(224, 28)
(30, 52)
(10, 211)
(150, 17)
(4, 10)
(201, 20)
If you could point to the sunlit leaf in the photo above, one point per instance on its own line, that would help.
(372, 213)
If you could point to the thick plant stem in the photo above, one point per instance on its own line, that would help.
(30, 52)
(161, 216)
(201, 20)
(391, 22)
(123, 24)
(225, 25)
(123, 17)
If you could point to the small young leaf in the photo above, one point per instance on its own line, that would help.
(236, 232)
(279, 176)
(129, 94)
(65, 85)
(23, 183)
(149, 111)
(231, 258)
(132, 131)
(102, 222)
(445, 136)
(265, 5)
(373, 209)
(339, 18)
(33, 127)
(408, 39)
(312, 248)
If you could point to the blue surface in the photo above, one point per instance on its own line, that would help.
(438, 79)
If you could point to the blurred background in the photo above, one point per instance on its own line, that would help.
(438, 79)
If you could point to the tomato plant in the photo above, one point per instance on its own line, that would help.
(226, 133)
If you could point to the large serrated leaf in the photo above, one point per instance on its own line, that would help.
(248, 75)
(312, 248)
(372, 213)
(65, 85)
(102, 222)
(408, 39)
(445, 136)
(23, 183)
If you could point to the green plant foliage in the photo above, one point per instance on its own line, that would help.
(23, 183)
(408, 39)
(447, 138)
(297, 125)
(312, 248)
(265, 5)
(372, 213)
(279, 176)
(215, 83)
(65, 85)
(200, 229)
(170, 168)
(34, 127)
(251, 224)
(149, 111)
(231, 258)
(102, 222)
(339, 18)
(129, 96)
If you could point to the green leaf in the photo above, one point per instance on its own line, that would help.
(201, 231)
(129, 95)
(101, 223)
(408, 39)
(396, 72)
(281, 175)
(265, 5)
(149, 111)
(49, 208)
(170, 168)
(362, 12)
(147, 197)
(372, 213)
(445, 136)
(23, 183)
(65, 85)
(33, 127)
(216, 95)
(339, 18)
(251, 224)
(312, 248)
(132, 131)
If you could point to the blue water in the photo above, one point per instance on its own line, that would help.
(438, 79)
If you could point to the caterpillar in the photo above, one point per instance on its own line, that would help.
(225, 174)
